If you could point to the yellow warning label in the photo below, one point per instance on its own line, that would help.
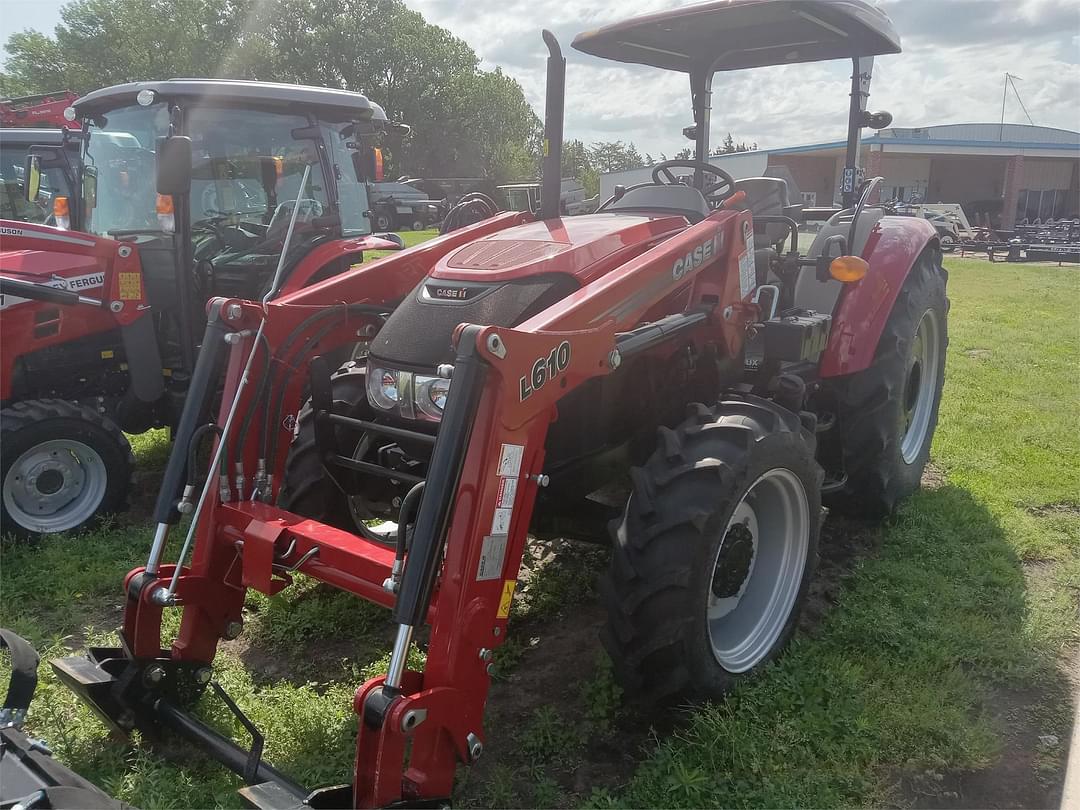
(107, 354)
(507, 598)
(130, 286)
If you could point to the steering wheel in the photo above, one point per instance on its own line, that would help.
(714, 193)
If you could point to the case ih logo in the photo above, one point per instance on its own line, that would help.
(694, 259)
(450, 293)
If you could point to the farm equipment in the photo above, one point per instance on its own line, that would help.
(41, 110)
(522, 369)
(15, 145)
(189, 189)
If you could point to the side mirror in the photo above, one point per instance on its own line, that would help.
(174, 165)
(32, 175)
(877, 120)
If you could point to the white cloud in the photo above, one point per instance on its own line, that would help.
(956, 53)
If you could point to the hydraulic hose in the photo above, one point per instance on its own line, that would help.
(193, 450)
(409, 505)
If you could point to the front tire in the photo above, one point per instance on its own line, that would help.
(888, 412)
(63, 467)
(714, 551)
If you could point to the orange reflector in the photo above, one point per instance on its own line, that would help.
(378, 164)
(279, 166)
(164, 204)
(60, 206)
(848, 268)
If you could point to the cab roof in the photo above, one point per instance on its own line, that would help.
(331, 102)
(737, 34)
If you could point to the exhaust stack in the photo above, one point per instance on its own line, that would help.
(551, 183)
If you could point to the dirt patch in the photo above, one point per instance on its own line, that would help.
(1028, 772)
(978, 354)
(933, 477)
(1059, 509)
(844, 542)
(560, 658)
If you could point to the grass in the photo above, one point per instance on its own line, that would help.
(972, 593)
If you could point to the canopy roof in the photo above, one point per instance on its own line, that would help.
(736, 34)
(330, 102)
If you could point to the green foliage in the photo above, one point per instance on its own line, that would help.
(466, 122)
(548, 737)
(602, 696)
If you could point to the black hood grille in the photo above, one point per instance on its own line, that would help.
(417, 335)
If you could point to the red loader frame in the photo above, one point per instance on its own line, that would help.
(485, 471)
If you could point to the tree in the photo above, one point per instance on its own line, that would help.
(686, 153)
(614, 156)
(465, 121)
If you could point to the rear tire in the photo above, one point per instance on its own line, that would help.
(888, 412)
(63, 467)
(714, 551)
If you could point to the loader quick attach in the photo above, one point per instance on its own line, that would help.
(511, 370)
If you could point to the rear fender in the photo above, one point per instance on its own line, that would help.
(864, 306)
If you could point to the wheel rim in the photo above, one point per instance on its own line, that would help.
(758, 570)
(920, 387)
(55, 486)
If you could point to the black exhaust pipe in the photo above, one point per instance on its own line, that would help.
(551, 188)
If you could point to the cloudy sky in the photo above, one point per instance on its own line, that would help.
(955, 55)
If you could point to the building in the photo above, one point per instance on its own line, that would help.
(1007, 173)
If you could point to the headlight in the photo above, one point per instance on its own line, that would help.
(431, 396)
(382, 386)
(403, 393)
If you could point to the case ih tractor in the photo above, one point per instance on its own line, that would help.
(190, 189)
(520, 369)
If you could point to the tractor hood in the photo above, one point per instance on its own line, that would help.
(507, 277)
(44, 255)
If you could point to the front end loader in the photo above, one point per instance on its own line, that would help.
(675, 346)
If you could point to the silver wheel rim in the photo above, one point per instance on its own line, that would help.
(924, 365)
(750, 600)
(55, 486)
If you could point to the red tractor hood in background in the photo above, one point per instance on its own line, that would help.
(43, 255)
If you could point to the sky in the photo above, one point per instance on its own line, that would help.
(956, 53)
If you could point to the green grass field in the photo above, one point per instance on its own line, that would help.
(934, 659)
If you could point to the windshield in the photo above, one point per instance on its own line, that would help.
(119, 154)
(13, 203)
(247, 166)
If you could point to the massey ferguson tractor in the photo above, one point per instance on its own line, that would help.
(519, 371)
(189, 189)
(26, 122)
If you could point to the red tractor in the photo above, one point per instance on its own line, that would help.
(190, 189)
(520, 369)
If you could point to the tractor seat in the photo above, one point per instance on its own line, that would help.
(655, 200)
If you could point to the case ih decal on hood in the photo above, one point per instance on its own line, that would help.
(698, 256)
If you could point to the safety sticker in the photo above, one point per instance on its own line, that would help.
(507, 490)
(492, 553)
(506, 598)
(130, 286)
(500, 522)
(510, 460)
(747, 273)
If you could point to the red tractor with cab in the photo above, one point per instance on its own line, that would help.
(676, 345)
(189, 189)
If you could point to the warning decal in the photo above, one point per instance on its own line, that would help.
(506, 598)
(510, 460)
(492, 554)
